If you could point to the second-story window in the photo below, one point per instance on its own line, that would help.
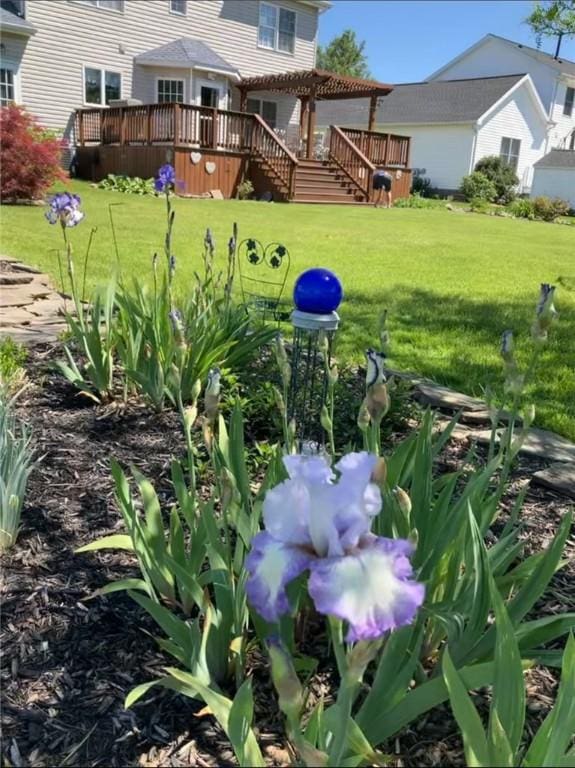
(101, 86)
(277, 28)
(109, 5)
(178, 7)
(510, 151)
(569, 100)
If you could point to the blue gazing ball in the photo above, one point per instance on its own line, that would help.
(317, 291)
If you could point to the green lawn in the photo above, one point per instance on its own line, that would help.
(452, 282)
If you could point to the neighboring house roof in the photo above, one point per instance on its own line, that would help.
(557, 158)
(186, 52)
(440, 101)
(15, 24)
(560, 64)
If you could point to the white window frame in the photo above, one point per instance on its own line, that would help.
(565, 112)
(96, 5)
(276, 9)
(507, 156)
(179, 13)
(11, 66)
(173, 80)
(261, 110)
(103, 70)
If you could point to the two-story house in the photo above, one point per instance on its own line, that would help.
(60, 55)
(496, 98)
(213, 86)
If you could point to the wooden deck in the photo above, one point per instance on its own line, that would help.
(215, 149)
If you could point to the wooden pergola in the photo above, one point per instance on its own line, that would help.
(315, 85)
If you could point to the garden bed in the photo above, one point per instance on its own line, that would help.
(68, 662)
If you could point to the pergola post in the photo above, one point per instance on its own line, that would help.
(243, 100)
(310, 123)
(303, 117)
(372, 112)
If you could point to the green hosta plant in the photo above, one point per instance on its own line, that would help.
(16, 463)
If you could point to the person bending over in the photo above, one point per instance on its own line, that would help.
(382, 187)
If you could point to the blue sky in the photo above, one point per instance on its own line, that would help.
(407, 40)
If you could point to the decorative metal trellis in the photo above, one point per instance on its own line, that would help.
(313, 337)
(263, 275)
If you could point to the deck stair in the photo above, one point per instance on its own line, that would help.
(322, 181)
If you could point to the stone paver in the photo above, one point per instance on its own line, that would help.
(558, 477)
(442, 397)
(31, 310)
(540, 443)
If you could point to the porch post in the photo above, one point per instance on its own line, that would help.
(372, 111)
(81, 127)
(310, 123)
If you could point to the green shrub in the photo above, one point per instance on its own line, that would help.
(501, 174)
(549, 209)
(12, 358)
(522, 208)
(478, 205)
(421, 185)
(132, 185)
(477, 186)
(245, 190)
(414, 201)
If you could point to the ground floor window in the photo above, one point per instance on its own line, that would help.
(170, 90)
(510, 151)
(6, 86)
(101, 86)
(266, 109)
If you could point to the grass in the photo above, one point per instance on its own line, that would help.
(452, 282)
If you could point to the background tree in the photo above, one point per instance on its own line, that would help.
(344, 55)
(555, 18)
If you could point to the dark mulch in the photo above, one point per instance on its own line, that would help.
(68, 662)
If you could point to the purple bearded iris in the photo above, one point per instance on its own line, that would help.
(316, 523)
(65, 208)
(166, 180)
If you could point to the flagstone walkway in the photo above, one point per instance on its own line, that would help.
(31, 309)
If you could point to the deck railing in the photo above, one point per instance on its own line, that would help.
(268, 146)
(178, 124)
(351, 160)
(381, 148)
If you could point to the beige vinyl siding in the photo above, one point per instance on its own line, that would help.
(515, 118)
(72, 34)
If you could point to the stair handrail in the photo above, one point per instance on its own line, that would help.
(286, 168)
(347, 165)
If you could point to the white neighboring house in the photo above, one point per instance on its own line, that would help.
(554, 79)
(554, 176)
(454, 123)
(486, 108)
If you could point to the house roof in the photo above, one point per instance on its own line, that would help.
(439, 101)
(10, 22)
(188, 53)
(560, 64)
(557, 158)
(327, 85)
